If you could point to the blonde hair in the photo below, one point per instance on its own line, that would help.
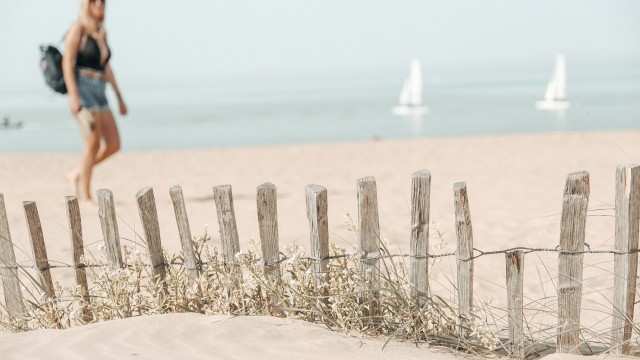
(89, 24)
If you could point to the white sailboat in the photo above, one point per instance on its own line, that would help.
(555, 97)
(410, 102)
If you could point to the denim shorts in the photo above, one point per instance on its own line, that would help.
(92, 93)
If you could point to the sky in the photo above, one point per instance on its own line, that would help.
(159, 43)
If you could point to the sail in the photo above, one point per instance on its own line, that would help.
(411, 94)
(410, 101)
(555, 95)
(415, 80)
(557, 87)
(550, 93)
(405, 94)
(560, 78)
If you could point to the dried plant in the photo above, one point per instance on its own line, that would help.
(344, 299)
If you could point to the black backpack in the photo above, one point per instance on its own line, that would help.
(51, 66)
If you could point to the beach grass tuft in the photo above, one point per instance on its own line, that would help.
(344, 300)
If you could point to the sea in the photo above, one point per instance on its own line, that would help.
(206, 116)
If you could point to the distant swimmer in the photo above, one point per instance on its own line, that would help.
(8, 124)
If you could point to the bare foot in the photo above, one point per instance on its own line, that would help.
(74, 178)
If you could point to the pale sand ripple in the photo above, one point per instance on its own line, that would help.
(196, 336)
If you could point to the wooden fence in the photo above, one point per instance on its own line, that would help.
(570, 250)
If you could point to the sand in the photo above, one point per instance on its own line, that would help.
(515, 185)
(195, 336)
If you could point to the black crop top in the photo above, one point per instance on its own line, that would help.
(89, 56)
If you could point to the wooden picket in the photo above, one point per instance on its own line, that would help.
(570, 264)
(465, 256)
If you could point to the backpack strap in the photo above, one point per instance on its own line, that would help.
(67, 32)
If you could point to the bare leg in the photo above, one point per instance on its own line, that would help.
(91, 147)
(109, 134)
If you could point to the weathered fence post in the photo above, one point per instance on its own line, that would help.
(39, 249)
(109, 225)
(9, 268)
(40, 255)
(515, 302)
(572, 237)
(75, 231)
(369, 240)
(464, 233)
(149, 218)
(228, 229)
(419, 269)
(184, 230)
(625, 264)
(317, 206)
(107, 214)
(267, 206)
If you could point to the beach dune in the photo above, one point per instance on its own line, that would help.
(515, 186)
(196, 336)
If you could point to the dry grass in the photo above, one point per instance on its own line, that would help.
(344, 301)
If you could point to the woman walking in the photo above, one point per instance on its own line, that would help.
(86, 69)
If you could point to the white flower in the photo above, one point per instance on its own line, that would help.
(292, 259)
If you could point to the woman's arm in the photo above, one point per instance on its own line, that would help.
(71, 44)
(111, 79)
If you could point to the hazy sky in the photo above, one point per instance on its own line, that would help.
(177, 43)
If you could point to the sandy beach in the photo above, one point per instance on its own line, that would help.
(515, 185)
(195, 336)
